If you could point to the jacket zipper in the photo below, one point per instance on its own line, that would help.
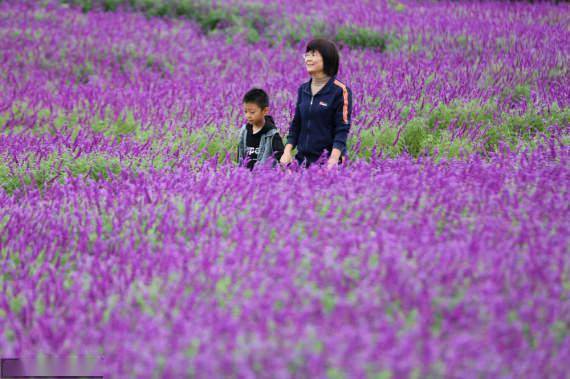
(309, 122)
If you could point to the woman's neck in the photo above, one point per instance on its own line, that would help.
(318, 82)
(320, 78)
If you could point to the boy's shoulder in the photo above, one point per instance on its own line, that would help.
(271, 132)
(242, 132)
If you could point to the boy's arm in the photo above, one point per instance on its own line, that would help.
(278, 147)
(239, 147)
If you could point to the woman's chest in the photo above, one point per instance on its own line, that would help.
(317, 106)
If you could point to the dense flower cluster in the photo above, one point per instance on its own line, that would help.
(127, 231)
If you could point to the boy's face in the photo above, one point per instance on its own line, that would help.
(254, 114)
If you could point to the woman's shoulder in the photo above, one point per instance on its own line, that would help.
(340, 85)
(305, 86)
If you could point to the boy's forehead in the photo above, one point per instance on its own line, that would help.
(251, 106)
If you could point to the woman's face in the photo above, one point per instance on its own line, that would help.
(314, 62)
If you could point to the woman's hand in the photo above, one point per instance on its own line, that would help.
(287, 157)
(333, 159)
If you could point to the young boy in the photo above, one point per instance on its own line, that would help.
(259, 139)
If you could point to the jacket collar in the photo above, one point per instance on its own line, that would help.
(269, 124)
(324, 90)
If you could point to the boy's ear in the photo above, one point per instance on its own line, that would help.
(265, 111)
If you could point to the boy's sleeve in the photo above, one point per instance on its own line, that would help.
(293, 135)
(342, 119)
(278, 147)
(239, 146)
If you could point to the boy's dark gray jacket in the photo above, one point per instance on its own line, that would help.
(269, 145)
(322, 121)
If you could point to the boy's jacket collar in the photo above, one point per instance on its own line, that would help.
(269, 124)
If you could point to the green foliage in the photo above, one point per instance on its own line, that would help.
(301, 28)
(209, 142)
(83, 71)
(560, 330)
(193, 348)
(222, 286)
(39, 173)
(211, 18)
(8, 181)
(384, 138)
(84, 5)
(414, 137)
(361, 37)
(470, 114)
(532, 122)
(521, 92)
(396, 5)
(17, 303)
(384, 374)
(328, 301)
(252, 21)
(111, 5)
(446, 130)
(335, 373)
(125, 125)
(185, 8)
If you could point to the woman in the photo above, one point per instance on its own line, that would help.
(323, 111)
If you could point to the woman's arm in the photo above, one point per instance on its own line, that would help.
(293, 136)
(342, 119)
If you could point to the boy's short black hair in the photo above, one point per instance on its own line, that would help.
(257, 96)
(329, 52)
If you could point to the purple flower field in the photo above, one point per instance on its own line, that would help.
(127, 231)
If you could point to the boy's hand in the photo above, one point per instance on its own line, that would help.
(287, 157)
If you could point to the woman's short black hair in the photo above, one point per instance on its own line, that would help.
(257, 96)
(329, 52)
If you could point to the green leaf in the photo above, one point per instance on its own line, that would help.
(335, 373)
(222, 286)
(329, 301)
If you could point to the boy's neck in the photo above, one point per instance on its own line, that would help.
(256, 128)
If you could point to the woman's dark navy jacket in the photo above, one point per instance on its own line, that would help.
(321, 122)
